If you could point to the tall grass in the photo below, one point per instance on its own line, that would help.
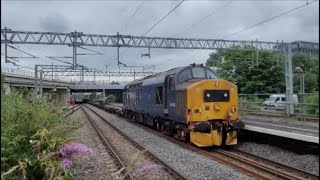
(30, 137)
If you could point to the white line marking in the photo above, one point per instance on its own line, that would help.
(291, 135)
(254, 122)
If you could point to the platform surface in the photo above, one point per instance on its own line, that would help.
(298, 131)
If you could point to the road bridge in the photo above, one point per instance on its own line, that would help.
(57, 90)
(105, 89)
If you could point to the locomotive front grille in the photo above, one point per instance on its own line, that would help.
(216, 95)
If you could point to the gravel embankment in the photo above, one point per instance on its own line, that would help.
(308, 163)
(97, 165)
(126, 150)
(188, 163)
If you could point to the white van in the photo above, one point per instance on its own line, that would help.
(277, 101)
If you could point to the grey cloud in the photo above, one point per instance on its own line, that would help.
(55, 22)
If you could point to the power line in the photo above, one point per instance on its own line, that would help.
(267, 20)
(163, 18)
(204, 18)
(135, 12)
(156, 23)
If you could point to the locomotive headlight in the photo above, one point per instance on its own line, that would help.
(208, 95)
(225, 94)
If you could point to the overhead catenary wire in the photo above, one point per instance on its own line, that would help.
(163, 18)
(215, 11)
(270, 19)
(132, 16)
(205, 18)
(158, 22)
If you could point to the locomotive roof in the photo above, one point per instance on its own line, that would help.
(157, 78)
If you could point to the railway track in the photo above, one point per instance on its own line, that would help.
(257, 167)
(254, 166)
(122, 162)
(304, 174)
(74, 109)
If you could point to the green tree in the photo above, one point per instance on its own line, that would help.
(311, 73)
(252, 72)
(110, 99)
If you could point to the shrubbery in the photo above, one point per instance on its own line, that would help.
(249, 104)
(312, 104)
(31, 136)
(110, 99)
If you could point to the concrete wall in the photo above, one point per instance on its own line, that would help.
(60, 96)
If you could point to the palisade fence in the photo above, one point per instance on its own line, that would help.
(306, 108)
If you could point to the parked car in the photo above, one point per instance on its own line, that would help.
(278, 101)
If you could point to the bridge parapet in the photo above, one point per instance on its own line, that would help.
(96, 86)
(27, 74)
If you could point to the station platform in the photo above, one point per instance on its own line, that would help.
(302, 131)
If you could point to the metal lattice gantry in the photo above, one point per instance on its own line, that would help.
(81, 39)
(41, 71)
(69, 71)
(78, 39)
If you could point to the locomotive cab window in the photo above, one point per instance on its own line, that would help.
(198, 72)
(171, 83)
(159, 96)
(184, 75)
(211, 75)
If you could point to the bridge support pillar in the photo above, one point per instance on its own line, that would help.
(62, 96)
(7, 88)
(103, 94)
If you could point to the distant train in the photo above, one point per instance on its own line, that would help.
(190, 103)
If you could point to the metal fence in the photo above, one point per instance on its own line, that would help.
(306, 106)
(7, 70)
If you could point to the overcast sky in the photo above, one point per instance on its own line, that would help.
(110, 17)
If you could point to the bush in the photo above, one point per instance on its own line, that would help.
(252, 103)
(312, 104)
(110, 99)
(30, 133)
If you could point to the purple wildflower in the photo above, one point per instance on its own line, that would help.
(67, 163)
(72, 148)
(69, 149)
(147, 169)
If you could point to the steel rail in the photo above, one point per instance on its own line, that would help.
(74, 110)
(154, 157)
(107, 144)
(278, 165)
